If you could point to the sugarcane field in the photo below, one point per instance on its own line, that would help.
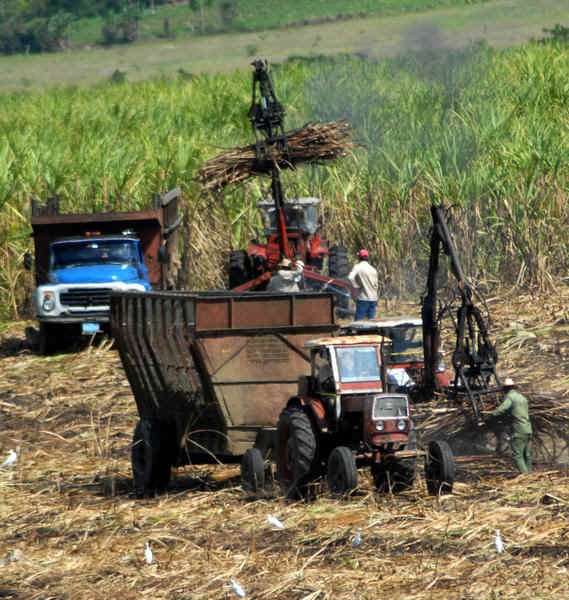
(284, 300)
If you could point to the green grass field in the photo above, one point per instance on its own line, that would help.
(467, 124)
(251, 15)
(501, 23)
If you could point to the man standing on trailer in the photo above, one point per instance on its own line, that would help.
(364, 278)
(517, 405)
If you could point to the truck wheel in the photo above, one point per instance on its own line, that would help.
(239, 268)
(439, 468)
(253, 470)
(342, 471)
(396, 476)
(338, 262)
(151, 458)
(47, 340)
(296, 451)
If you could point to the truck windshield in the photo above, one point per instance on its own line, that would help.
(358, 364)
(78, 254)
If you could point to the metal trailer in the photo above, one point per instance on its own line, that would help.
(211, 371)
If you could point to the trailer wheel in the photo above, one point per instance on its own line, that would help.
(395, 476)
(239, 268)
(253, 470)
(342, 471)
(439, 468)
(338, 262)
(150, 457)
(296, 451)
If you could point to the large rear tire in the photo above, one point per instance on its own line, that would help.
(239, 268)
(296, 451)
(253, 470)
(338, 262)
(439, 468)
(342, 471)
(151, 457)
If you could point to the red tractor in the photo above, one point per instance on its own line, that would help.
(301, 216)
(291, 225)
(342, 418)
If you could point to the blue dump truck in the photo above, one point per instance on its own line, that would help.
(81, 258)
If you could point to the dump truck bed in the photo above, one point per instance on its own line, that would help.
(216, 368)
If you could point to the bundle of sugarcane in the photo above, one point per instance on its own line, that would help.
(312, 143)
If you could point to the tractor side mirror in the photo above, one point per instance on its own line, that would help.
(163, 255)
(28, 262)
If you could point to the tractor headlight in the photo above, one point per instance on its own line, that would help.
(48, 303)
(380, 425)
(401, 425)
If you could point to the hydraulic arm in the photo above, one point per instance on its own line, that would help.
(474, 358)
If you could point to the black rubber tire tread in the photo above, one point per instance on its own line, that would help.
(151, 457)
(396, 476)
(47, 341)
(342, 471)
(295, 428)
(239, 268)
(253, 470)
(439, 468)
(338, 262)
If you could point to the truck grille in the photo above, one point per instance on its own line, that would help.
(84, 297)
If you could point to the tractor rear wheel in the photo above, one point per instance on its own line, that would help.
(338, 262)
(151, 457)
(342, 471)
(239, 268)
(296, 451)
(439, 468)
(395, 476)
(253, 470)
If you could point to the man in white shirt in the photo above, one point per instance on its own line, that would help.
(364, 278)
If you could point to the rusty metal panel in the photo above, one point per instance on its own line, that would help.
(219, 387)
(264, 311)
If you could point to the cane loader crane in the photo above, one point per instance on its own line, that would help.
(291, 224)
(474, 358)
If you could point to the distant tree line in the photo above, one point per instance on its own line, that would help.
(43, 25)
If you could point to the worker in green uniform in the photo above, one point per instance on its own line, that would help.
(516, 404)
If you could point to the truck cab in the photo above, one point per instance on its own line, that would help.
(81, 258)
(82, 273)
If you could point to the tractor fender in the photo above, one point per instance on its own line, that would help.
(313, 407)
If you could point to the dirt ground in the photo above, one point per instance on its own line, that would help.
(70, 526)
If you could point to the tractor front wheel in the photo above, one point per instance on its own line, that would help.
(342, 471)
(296, 451)
(439, 468)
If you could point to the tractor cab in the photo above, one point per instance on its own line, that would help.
(301, 215)
(347, 393)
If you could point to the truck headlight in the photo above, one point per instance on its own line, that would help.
(48, 303)
(401, 425)
(380, 425)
